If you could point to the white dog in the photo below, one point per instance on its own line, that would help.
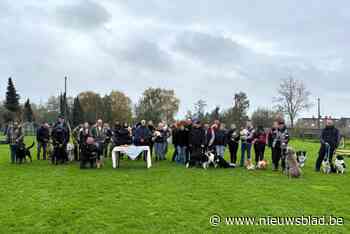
(340, 164)
(70, 151)
(326, 166)
(249, 165)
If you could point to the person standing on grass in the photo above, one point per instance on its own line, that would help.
(75, 137)
(151, 129)
(160, 142)
(271, 136)
(99, 134)
(218, 139)
(330, 139)
(182, 135)
(108, 132)
(42, 138)
(246, 142)
(233, 138)
(206, 128)
(14, 137)
(116, 134)
(196, 139)
(60, 137)
(142, 136)
(188, 127)
(175, 128)
(122, 136)
(259, 140)
(278, 141)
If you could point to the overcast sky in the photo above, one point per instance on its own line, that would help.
(203, 49)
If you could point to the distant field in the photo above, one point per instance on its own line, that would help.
(41, 198)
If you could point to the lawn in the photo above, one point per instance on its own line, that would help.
(41, 198)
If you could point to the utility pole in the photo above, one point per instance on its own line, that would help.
(66, 104)
(65, 98)
(319, 113)
(65, 84)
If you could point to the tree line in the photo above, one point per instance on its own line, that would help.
(155, 104)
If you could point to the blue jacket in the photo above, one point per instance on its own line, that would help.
(142, 135)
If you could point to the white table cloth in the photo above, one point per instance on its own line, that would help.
(133, 152)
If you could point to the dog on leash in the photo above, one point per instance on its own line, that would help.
(49, 150)
(249, 165)
(262, 165)
(326, 166)
(216, 161)
(210, 160)
(70, 152)
(23, 152)
(340, 164)
(301, 157)
(292, 168)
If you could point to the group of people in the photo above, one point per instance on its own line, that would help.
(94, 143)
(190, 137)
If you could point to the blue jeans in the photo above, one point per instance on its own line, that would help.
(13, 149)
(39, 146)
(160, 150)
(181, 154)
(220, 150)
(245, 147)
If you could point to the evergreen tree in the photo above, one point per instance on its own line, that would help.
(28, 114)
(64, 108)
(12, 98)
(77, 112)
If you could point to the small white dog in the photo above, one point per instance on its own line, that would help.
(326, 166)
(70, 151)
(340, 164)
(249, 165)
(262, 165)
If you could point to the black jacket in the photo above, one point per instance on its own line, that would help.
(181, 137)
(122, 137)
(162, 137)
(233, 136)
(142, 135)
(196, 137)
(60, 134)
(89, 151)
(220, 137)
(279, 138)
(43, 135)
(331, 136)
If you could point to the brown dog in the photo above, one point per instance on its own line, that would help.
(293, 168)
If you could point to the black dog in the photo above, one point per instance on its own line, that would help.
(222, 163)
(22, 152)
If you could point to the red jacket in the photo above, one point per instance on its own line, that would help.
(260, 137)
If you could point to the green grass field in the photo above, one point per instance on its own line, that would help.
(41, 198)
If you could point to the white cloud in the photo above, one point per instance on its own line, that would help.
(202, 49)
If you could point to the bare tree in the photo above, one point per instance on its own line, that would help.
(293, 98)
